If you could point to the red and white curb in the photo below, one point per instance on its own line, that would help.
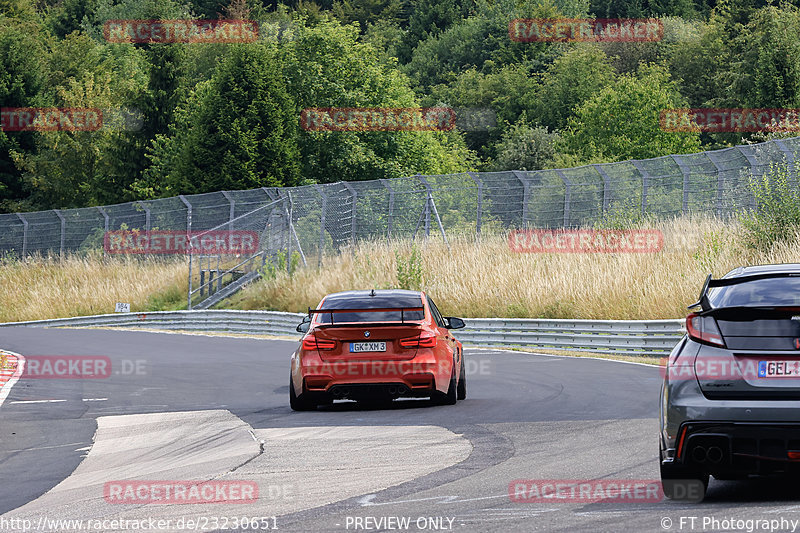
(10, 372)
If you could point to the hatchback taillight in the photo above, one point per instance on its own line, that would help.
(311, 342)
(423, 341)
(704, 329)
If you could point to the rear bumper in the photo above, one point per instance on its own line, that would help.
(355, 379)
(737, 449)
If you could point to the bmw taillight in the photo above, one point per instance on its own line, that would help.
(704, 329)
(311, 342)
(422, 341)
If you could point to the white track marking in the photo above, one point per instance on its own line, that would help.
(37, 401)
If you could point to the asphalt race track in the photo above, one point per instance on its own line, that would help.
(186, 407)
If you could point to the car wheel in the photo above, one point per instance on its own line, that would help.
(298, 403)
(462, 381)
(451, 396)
(682, 484)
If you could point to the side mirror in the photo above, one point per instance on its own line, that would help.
(454, 323)
(303, 326)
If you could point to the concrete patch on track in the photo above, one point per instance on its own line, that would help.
(294, 468)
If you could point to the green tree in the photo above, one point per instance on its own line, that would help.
(236, 131)
(23, 74)
(622, 121)
(572, 79)
(766, 68)
(525, 147)
(327, 66)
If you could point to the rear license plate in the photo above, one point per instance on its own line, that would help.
(359, 347)
(778, 369)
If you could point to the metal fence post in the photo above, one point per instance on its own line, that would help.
(146, 208)
(386, 184)
(567, 195)
(321, 191)
(685, 171)
(354, 194)
(525, 195)
(606, 186)
(788, 154)
(232, 210)
(720, 183)
(188, 246)
(431, 204)
(746, 151)
(479, 212)
(645, 183)
(105, 223)
(63, 232)
(24, 235)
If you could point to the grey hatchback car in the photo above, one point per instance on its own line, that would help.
(730, 400)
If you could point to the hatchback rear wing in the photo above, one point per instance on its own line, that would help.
(705, 305)
(402, 310)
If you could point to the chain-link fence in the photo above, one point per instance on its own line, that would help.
(321, 219)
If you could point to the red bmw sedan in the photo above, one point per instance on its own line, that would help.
(377, 345)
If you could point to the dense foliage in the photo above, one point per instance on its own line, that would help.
(227, 116)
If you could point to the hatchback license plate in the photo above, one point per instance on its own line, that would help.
(778, 369)
(359, 347)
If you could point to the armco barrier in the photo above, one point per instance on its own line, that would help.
(634, 337)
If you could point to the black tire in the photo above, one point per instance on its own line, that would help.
(451, 396)
(462, 382)
(682, 484)
(298, 403)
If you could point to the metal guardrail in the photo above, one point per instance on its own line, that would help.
(632, 337)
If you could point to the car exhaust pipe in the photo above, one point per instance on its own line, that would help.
(699, 454)
(392, 390)
(714, 454)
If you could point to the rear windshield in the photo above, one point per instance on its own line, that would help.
(372, 302)
(763, 292)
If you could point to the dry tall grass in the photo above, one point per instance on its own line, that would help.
(42, 288)
(482, 279)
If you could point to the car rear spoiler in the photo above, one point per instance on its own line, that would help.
(374, 310)
(705, 305)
